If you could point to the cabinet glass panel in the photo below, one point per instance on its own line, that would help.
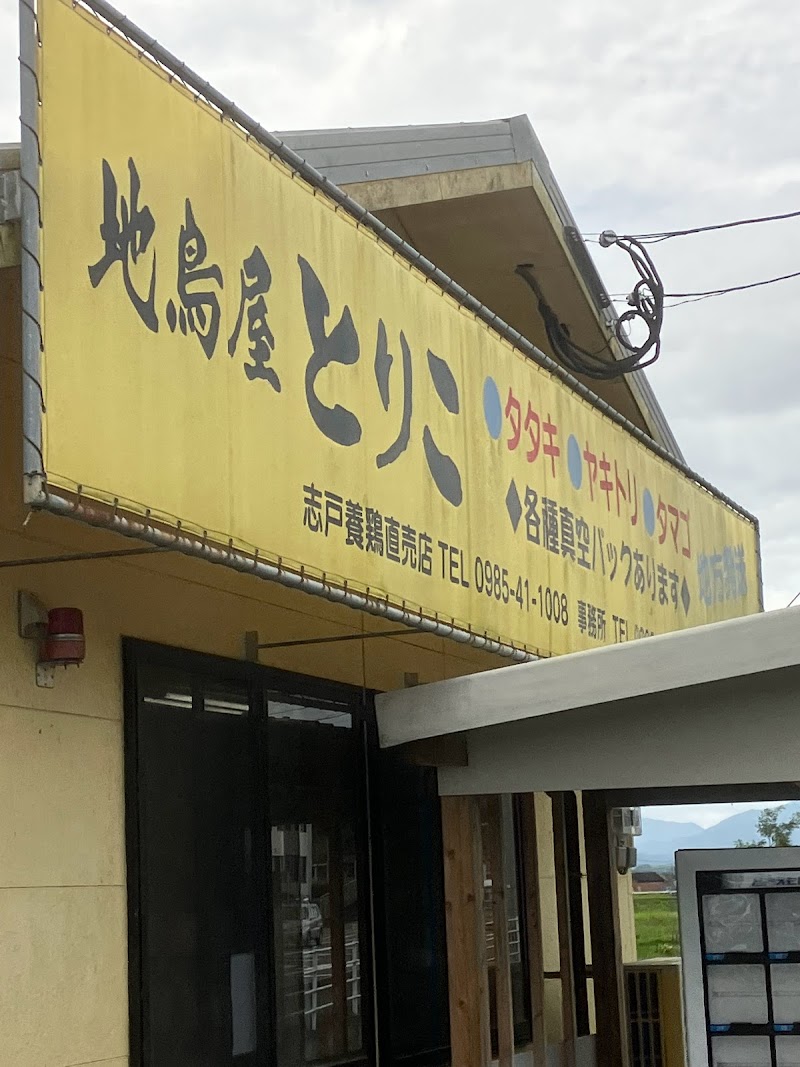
(740, 1052)
(786, 992)
(783, 922)
(788, 1051)
(732, 922)
(737, 994)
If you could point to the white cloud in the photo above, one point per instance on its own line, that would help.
(677, 114)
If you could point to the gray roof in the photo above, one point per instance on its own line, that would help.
(735, 649)
(374, 153)
(378, 153)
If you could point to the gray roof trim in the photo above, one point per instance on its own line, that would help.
(446, 148)
(353, 174)
(734, 649)
(376, 153)
(360, 136)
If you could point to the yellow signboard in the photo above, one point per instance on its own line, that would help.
(225, 345)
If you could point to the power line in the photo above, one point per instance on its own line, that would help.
(692, 300)
(706, 294)
(735, 288)
(665, 235)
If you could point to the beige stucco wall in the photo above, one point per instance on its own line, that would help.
(63, 991)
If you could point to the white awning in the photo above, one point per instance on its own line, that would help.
(717, 705)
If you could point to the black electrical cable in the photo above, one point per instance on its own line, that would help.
(692, 300)
(735, 288)
(665, 235)
(646, 305)
(706, 294)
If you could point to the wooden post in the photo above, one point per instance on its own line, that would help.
(564, 932)
(533, 914)
(609, 988)
(495, 858)
(466, 936)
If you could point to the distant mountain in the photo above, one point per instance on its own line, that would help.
(656, 831)
(661, 838)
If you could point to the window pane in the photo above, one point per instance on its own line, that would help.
(299, 713)
(321, 713)
(197, 880)
(314, 768)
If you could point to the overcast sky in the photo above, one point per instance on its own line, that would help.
(653, 116)
(702, 814)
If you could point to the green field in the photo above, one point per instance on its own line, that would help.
(656, 925)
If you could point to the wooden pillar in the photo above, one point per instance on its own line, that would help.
(494, 852)
(577, 926)
(533, 914)
(564, 932)
(607, 972)
(466, 937)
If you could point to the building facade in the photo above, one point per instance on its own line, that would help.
(207, 858)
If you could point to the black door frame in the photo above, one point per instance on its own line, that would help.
(259, 681)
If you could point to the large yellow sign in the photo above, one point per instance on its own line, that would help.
(225, 346)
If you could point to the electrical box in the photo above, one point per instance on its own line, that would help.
(739, 912)
(627, 822)
(625, 857)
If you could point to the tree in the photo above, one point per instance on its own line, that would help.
(772, 832)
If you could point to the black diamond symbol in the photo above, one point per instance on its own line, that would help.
(513, 506)
(685, 596)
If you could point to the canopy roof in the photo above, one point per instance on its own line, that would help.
(711, 706)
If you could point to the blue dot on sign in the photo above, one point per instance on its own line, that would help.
(649, 512)
(574, 461)
(492, 408)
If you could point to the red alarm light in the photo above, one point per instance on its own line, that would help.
(64, 643)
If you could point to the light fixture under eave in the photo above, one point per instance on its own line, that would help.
(59, 633)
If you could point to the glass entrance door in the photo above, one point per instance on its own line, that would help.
(200, 898)
(313, 753)
(247, 850)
